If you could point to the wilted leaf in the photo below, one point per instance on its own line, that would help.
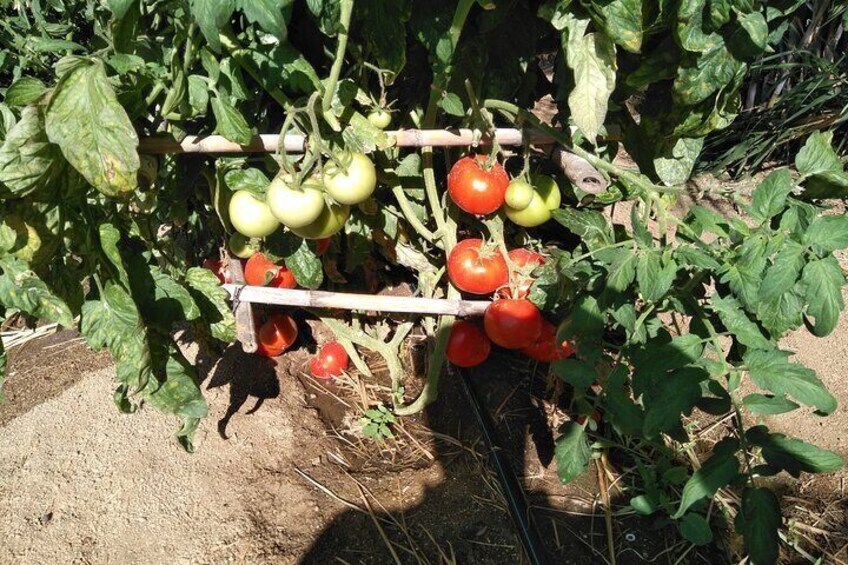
(28, 161)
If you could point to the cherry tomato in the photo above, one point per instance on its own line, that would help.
(467, 345)
(354, 182)
(251, 216)
(545, 198)
(380, 118)
(219, 268)
(259, 271)
(524, 261)
(475, 189)
(242, 247)
(330, 361)
(322, 245)
(477, 269)
(545, 348)
(279, 332)
(513, 323)
(331, 220)
(295, 207)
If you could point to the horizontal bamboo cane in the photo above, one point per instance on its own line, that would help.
(350, 301)
(269, 143)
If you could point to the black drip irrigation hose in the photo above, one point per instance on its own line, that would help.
(514, 494)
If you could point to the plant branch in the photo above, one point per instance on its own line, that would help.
(346, 9)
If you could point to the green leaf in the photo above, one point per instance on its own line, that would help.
(716, 472)
(756, 28)
(385, 32)
(211, 17)
(363, 136)
(306, 266)
(24, 91)
(783, 273)
(230, 122)
(622, 272)
(828, 233)
(85, 119)
(572, 452)
(557, 12)
(818, 155)
(781, 314)
(198, 94)
(21, 288)
(759, 520)
(452, 104)
(793, 455)
(644, 505)
(172, 301)
(268, 14)
(211, 299)
(252, 180)
(590, 225)
(772, 371)
(695, 529)
(745, 331)
(110, 239)
(119, 8)
(654, 274)
(690, 29)
(765, 405)
(113, 321)
(575, 372)
(823, 280)
(769, 198)
(673, 394)
(622, 21)
(832, 184)
(179, 393)
(698, 77)
(592, 58)
(674, 164)
(28, 161)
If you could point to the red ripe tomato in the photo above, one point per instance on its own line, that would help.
(219, 268)
(545, 348)
(259, 271)
(474, 188)
(467, 345)
(524, 261)
(283, 279)
(330, 361)
(322, 245)
(268, 351)
(476, 269)
(513, 323)
(279, 332)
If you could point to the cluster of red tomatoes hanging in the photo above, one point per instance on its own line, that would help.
(478, 185)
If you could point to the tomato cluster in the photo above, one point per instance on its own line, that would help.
(314, 208)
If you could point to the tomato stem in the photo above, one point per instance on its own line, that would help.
(345, 11)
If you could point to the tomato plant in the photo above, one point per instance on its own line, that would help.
(468, 346)
(103, 221)
(547, 348)
(330, 361)
(476, 268)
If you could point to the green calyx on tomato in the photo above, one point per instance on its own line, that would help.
(380, 118)
(352, 181)
(295, 207)
(243, 247)
(545, 197)
(251, 216)
(331, 220)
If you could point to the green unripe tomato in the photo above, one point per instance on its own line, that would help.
(295, 207)
(251, 216)
(243, 247)
(546, 197)
(519, 194)
(380, 118)
(353, 183)
(331, 220)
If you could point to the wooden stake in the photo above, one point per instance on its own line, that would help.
(245, 323)
(350, 301)
(270, 143)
